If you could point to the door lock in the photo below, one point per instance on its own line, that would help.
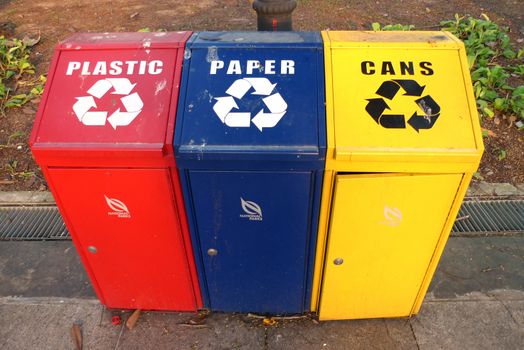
(338, 261)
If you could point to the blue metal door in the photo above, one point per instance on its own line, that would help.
(254, 231)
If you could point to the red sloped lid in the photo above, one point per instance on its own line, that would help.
(109, 97)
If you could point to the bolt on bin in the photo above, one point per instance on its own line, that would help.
(403, 142)
(250, 146)
(103, 138)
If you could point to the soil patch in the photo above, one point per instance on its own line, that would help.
(55, 20)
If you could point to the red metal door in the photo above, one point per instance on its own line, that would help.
(125, 225)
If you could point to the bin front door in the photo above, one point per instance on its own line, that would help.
(253, 230)
(126, 227)
(383, 232)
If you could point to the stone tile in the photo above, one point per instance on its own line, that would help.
(354, 334)
(505, 189)
(47, 323)
(469, 325)
(42, 269)
(26, 197)
(474, 190)
(486, 189)
(46, 326)
(480, 264)
(170, 331)
(520, 187)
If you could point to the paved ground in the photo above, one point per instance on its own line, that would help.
(476, 301)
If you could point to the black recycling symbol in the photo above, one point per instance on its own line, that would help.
(377, 106)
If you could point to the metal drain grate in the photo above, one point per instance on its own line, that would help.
(493, 216)
(475, 217)
(32, 223)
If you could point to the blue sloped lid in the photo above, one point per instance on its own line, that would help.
(251, 96)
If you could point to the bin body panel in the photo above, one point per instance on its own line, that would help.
(397, 104)
(251, 126)
(385, 227)
(103, 136)
(258, 222)
(140, 260)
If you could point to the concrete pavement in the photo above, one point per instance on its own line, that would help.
(476, 301)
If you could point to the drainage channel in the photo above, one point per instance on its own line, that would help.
(490, 217)
(476, 218)
(36, 223)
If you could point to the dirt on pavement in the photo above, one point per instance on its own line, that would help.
(55, 20)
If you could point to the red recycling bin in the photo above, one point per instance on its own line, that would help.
(103, 138)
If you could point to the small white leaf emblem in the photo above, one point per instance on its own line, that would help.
(116, 205)
(250, 207)
(393, 216)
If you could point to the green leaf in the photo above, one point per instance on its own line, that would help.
(482, 103)
(471, 60)
(477, 176)
(375, 26)
(501, 155)
(488, 112)
(499, 104)
(508, 53)
(489, 95)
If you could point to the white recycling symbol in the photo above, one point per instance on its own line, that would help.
(261, 86)
(122, 86)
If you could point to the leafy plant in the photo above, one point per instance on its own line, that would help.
(11, 168)
(501, 154)
(16, 88)
(149, 30)
(492, 60)
(400, 27)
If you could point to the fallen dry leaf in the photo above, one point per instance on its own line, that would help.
(76, 335)
(512, 119)
(269, 322)
(489, 132)
(28, 110)
(28, 41)
(198, 319)
(132, 320)
(6, 182)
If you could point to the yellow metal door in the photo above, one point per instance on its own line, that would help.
(384, 229)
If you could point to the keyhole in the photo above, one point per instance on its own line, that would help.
(338, 261)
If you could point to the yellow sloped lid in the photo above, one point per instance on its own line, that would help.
(396, 95)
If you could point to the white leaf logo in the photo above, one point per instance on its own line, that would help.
(393, 216)
(250, 207)
(116, 205)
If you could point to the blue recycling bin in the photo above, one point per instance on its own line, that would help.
(250, 146)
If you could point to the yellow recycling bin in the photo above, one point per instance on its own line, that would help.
(403, 142)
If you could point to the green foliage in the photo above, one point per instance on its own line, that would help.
(16, 86)
(11, 168)
(149, 30)
(492, 60)
(501, 154)
(389, 27)
(477, 176)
